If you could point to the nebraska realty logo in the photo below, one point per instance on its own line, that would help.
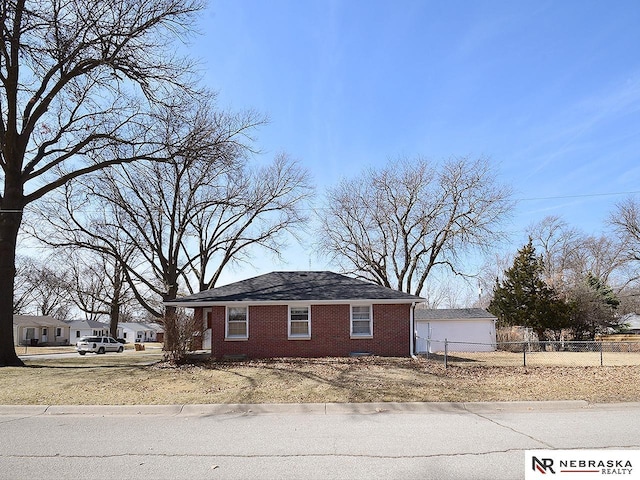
(584, 464)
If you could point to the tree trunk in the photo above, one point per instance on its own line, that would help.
(171, 333)
(10, 218)
(114, 308)
(171, 336)
(114, 318)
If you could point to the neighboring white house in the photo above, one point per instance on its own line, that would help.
(137, 332)
(159, 329)
(39, 330)
(632, 323)
(468, 330)
(87, 328)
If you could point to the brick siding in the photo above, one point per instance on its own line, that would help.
(330, 332)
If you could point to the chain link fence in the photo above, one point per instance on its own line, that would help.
(528, 353)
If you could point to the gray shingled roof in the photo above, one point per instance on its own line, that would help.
(451, 314)
(79, 324)
(39, 320)
(297, 286)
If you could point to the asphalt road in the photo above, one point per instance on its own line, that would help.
(313, 441)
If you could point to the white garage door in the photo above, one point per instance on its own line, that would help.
(474, 335)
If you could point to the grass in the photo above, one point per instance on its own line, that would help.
(141, 378)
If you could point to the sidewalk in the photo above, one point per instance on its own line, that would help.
(308, 408)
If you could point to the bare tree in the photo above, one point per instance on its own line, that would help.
(202, 204)
(395, 225)
(625, 219)
(629, 300)
(254, 209)
(75, 78)
(43, 288)
(569, 255)
(491, 271)
(76, 225)
(53, 294)
(152, 205)
(570, 258)
(23, 294)
(182, 329)
(99, 285)
(559, 246)
(604, 257)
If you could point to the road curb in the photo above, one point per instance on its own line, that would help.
(125, 410)
(255, 409)
(23, 409)
(376, 408)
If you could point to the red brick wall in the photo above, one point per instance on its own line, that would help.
(268, 332)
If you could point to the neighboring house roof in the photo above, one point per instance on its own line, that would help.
(452, 314)
(135, 326)
(631, 320)
(296, 287)
(156, 327)
(89, 324)
(38, 321)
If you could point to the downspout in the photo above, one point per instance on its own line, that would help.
(412, 330)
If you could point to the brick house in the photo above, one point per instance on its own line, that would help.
(303, 314)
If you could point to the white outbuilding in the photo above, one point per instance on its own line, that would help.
(465, 330)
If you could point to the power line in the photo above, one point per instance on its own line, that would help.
(586, 195)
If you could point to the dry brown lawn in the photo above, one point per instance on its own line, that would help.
(141, 378)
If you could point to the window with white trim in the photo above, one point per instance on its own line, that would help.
(237, 324)
(299, 322)
(361, 321)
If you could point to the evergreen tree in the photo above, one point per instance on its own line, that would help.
(604, 292)
(523, 298)
(593, 308)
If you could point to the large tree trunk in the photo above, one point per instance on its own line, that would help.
(114, 308)
(171, 330)
(114, 318)
(10, 218)
(171, 336)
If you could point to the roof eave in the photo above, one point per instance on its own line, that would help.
(213, 303)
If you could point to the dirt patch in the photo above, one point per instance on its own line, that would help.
(117, 380)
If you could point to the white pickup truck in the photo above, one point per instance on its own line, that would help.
(98, 345)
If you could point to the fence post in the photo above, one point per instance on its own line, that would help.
(446, 347)
(601, 353)
(524, 354)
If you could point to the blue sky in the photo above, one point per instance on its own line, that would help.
(549, 91)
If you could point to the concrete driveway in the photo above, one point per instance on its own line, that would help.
(310, 441)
